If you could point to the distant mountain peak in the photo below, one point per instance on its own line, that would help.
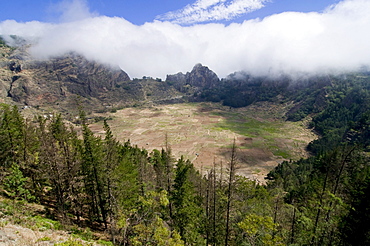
(200, 77)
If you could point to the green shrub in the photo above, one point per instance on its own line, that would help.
(44, 239)
(70, 242)
(43, 224)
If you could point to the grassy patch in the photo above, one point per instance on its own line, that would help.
(266, 134)
(43, 224)
(250, 127)
(85, 234)
(283, 153)
(71, 242)
(103, 242)
(197, 127)
(43, 239)
(25, 214)
(30, 216)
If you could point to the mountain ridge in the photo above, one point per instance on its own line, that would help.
(61, 83)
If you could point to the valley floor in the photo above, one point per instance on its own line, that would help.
(204, 133)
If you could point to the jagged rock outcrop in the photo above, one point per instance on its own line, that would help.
(200, 77)
(77, 75)
(179, 78)
(36, 82)
(61, 82)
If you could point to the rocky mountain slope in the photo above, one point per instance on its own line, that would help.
(62, 81)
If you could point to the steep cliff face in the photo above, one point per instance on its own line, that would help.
(179, 79)
(75, 74)
(60, 82)
(200, 77)
(36, 82)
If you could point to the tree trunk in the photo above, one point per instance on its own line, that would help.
(230, 191)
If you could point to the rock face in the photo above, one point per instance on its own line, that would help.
(200, 77)
(57, 78)
(81, 76)
(63, 82)
(39, 82)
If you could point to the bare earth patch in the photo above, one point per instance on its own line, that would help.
(204, 133)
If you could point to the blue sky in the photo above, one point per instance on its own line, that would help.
(140, 11)
(156, 38)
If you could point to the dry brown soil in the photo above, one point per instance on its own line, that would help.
(204, 133)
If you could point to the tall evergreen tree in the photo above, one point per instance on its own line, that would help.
(187, 207)
(93, 171)
(11, 136)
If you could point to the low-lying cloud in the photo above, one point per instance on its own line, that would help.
(212, 10)
(335, 40)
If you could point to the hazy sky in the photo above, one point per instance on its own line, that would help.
(155, 38)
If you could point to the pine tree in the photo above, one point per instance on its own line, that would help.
(187, 207)
(93, 171)
(64, 148)
(11, 136)
(15, 184)
(111, 162)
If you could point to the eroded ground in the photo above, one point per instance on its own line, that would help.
(205, 132)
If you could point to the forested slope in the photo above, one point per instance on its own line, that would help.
(329, 191)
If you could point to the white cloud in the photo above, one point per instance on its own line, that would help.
(72, 10)
(337, 39)
(212, 10)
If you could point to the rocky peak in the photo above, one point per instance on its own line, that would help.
(200, 77)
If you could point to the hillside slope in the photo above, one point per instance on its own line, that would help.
(60, 83)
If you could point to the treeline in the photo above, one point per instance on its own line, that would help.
(311, 95)
(240, 90)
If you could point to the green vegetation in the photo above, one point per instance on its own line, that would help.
(241, 92)
(90, 183)
(266, 134)
(71, 242)
(44, 239)
(250, 127)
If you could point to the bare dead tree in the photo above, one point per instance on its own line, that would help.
(232, 169)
